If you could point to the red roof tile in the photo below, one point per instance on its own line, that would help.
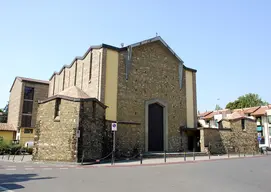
(261, 111)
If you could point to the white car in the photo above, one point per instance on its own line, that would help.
(29, 144)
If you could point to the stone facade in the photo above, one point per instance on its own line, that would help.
(56, 138)
(154, 72)
(230, 137)
(153, 75)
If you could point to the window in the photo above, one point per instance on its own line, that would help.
(28, 131)
(27, 107)
(26, 120)
(29, 93)
(243, 124)
(269, 119)
(269, 131)
(57, 108)
(90, 66)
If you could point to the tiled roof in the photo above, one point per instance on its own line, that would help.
(204, 114)
(6, 127)
(251, 109)
(261, 111)
(74, 92)
(235, 115)
(212, 114)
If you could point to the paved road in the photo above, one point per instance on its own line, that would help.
(247, 174)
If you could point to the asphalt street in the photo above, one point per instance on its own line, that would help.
(232, 175)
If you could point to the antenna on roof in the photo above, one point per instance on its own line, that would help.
(122, 44)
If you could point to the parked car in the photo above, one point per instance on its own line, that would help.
(29, 144)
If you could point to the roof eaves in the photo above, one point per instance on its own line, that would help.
(83, 57)
(71, 99)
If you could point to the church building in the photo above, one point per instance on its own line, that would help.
(144, 87)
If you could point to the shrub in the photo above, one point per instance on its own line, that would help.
(6, 148)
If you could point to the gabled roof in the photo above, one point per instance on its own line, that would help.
(154, 39)
(24, 79)
(6, 127)
(204, 114)
(251, 109)
(74, 92)
(260, 111)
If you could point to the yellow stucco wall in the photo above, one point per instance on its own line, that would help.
(24, 137)
(189, 99)
(7, 135)
(111, 84)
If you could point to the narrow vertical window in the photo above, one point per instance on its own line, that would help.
(27, 107)
(90, 66)
(243, 124)
(57, 108)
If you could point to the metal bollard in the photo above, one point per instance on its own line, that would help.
(209, 155)
(82, 159)
(228, 154)
(113, 158)
(184, 156)
(22, 157)
(141, 158)
(239, 152)
(244, 152)
(165, 156)
(194, 154)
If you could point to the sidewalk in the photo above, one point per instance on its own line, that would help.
(135, 162)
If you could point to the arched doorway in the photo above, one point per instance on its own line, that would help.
(156, 130)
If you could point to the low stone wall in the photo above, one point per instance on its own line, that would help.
(233, 139)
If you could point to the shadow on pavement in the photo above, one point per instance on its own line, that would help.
(10, 181)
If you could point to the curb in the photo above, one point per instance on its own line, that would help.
(170, 163)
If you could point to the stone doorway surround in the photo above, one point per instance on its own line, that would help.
(165, 122)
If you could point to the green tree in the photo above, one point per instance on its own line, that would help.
(217, 107)
(247, 100)
(4, 115)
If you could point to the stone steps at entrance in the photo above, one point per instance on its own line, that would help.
(172, 154)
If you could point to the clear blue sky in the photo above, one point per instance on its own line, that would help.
(227, 41)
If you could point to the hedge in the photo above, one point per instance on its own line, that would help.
(11, 149)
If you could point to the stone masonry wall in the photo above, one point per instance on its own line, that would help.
(153, 75)
(91, 126)
(234, 139)
(56, 140)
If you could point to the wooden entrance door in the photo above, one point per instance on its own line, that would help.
(156, 128)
